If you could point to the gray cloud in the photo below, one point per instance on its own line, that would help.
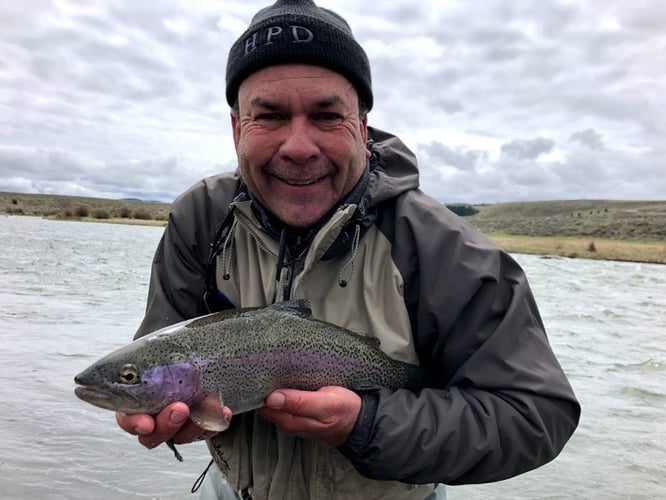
(528, 149)
(437, 154)
(500, 99)
(590, 138)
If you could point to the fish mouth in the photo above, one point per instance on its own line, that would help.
(107, 398)
(94, 396)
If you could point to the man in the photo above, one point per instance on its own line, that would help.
(325, 208)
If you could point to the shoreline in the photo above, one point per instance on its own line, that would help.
(572, 247)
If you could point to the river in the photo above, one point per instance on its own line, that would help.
(72, 291)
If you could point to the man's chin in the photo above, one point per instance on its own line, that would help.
(301, 217)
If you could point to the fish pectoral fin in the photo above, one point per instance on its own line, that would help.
(209, 415)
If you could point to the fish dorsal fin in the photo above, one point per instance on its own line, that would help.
(299, 307)
(218, 316)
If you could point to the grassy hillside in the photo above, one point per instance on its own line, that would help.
(66, 207)
(617, 220)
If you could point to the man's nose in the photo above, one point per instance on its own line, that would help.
(299, 143)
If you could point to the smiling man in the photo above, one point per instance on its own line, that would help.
(301, 140)
(323, 207)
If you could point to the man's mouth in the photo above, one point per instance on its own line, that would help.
(299, 182)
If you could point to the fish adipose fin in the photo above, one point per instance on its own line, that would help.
(209, 415)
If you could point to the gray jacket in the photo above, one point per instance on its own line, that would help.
(397, 265)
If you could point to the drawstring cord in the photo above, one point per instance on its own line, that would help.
(350, 263)
(226, 262)
(197, 484)
(280, 263)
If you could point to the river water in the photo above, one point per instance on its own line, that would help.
(72, 291)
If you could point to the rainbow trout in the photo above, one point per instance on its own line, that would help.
(238, 357)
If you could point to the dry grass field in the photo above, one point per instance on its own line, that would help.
(632, 231)
(76, 207)
(580, 247)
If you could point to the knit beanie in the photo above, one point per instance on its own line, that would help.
(298, 31)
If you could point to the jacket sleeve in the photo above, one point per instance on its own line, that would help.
(498, 403)
(178, 272)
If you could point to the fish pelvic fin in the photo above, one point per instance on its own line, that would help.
(209, 415)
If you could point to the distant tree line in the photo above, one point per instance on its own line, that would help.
(462, 209)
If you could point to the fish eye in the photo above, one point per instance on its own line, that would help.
(129, 375)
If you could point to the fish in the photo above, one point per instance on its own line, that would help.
(238, 357)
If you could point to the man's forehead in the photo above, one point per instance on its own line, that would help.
(297, 75)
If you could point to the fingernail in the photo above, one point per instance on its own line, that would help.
(177, 417)
(275, 400)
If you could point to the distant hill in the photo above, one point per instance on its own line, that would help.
(57, 206)
(620, 220)
(632, 220)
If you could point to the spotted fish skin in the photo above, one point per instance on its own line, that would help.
(239, 357)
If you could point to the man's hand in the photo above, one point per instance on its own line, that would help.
(171, 422)
(327, 415)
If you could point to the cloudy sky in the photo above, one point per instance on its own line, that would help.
(502, 100)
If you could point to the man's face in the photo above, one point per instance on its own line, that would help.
(300, 142)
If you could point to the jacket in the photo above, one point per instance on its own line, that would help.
(397, 265)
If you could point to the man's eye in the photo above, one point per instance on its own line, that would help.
(270, 116)
(326, 117)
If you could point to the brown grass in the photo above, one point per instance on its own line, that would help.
(77, 207)
(582, 247)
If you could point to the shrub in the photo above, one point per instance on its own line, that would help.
(142, 214)
(100, 213)
(162, 215)
(591, 247)
(81, 211)
(124, 213)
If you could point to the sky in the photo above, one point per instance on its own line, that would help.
(500, 100)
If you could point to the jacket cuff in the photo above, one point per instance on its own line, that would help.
(358, 440)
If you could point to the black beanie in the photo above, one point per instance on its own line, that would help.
(298, 31)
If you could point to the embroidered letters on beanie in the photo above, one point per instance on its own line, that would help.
(275, 34)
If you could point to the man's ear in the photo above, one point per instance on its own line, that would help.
(363, 124)
(235, 128)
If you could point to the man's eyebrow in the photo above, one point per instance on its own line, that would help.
(260, 102)
(328, 102)
(323, 103)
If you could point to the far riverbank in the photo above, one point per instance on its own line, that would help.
(652, 252)
(632, 231)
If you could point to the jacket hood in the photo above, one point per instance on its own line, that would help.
(393, 168)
